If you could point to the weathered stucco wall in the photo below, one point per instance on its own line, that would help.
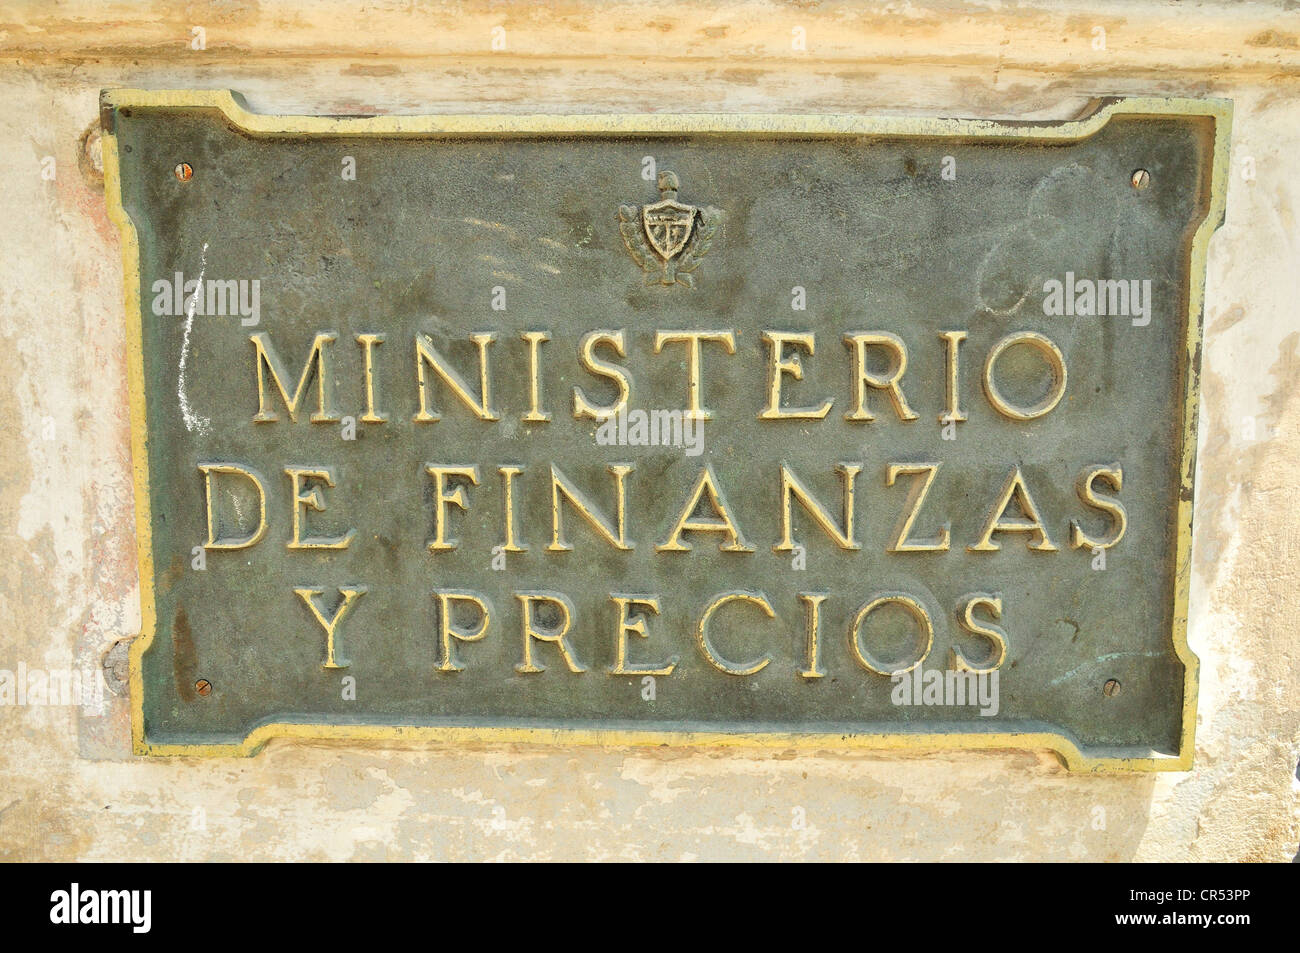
(68, 584)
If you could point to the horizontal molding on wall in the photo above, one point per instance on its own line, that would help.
(1141, 36)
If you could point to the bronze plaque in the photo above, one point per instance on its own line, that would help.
(764, 430)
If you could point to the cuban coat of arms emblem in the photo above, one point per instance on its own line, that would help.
(668, 238)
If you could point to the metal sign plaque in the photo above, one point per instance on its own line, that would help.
(765, 430)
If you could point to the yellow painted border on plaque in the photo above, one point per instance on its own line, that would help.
(571, 126)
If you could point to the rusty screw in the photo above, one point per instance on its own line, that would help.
(1141, 178)
(184, 171)
(1111, 688)
(204, 687)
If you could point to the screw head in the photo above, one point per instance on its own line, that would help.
(183, 171)
(203, 687)
(1141, 178)
(1111, 688)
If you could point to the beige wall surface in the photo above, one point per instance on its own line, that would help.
(69, 788)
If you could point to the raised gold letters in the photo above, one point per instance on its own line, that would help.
(350, 594)
(556, 636)
(549, 617)
(992, 633)
(858, 344)
(812, 602)
(915, 499)
(706, 485)
(1113, 475)
(791, 489)
(925, 629)
(706, 646)
(441, 498)
(1000, 522)
(626, 624)
(1042, 345)
(208, 469)
(427, 355)
(694, 385)
(561, 487)
(582, 407)
(783, 360)
(535, 413)
(508, 475)
(267, 361)
(368, 343)
(952, 350)
(447, 629)
(778, 365)
(312, 499)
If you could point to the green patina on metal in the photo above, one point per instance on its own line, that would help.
(436, 229)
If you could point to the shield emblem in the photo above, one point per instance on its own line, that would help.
(668, 226)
